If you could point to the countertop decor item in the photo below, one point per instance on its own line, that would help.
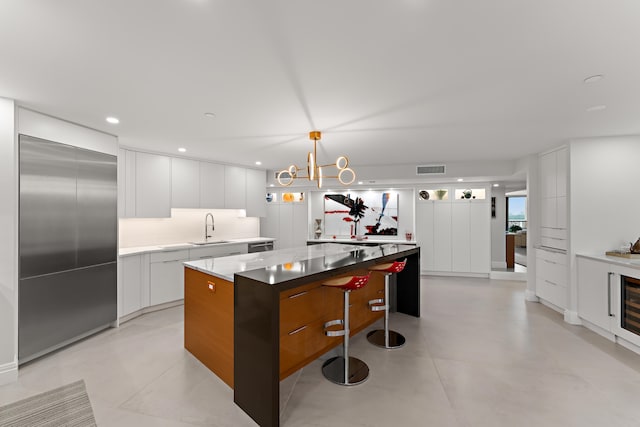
(424, 195)
(467, 194)
(635, 247)
(623, 254)
(315, 172)
(440, 194)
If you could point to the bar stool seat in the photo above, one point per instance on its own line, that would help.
(335, 369)
(384, 337)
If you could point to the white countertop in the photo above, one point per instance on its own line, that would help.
(625, 262)
(185, 245)
(226, 267)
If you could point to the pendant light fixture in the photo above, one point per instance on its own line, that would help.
(315, 172)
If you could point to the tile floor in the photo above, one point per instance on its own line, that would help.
(479, 356)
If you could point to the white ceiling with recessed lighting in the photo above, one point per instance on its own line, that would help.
(402, 82)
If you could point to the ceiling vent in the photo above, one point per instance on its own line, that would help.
(285, 175)
(430, 170)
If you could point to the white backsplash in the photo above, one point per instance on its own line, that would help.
(186, 225)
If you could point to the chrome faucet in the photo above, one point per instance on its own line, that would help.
(206, 223)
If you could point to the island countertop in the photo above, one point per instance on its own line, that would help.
(275, 267)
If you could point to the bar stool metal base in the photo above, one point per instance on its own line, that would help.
(333, 370)
(376, 337)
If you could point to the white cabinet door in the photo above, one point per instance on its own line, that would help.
(153, 186)
(126, 184)
(442, 236)
(216, 251)
(130, 284)
(479, 237)
(300, 225)
(595, 296)
(548, 175)
(424, 234)
(211, 186)
(561, 212)
(270, 224)
(548, 212)
(235, 190)
(562, 166)
(256, 192)
(185, 183)
(167, 276)
(122, 155)
(285, 226)
(460, 251)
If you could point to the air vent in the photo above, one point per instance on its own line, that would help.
(285, 175)
(430, 170)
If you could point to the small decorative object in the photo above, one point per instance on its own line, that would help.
(466, 194)
(424, 195)
(287, 197)
(440, 194)
(269, 197)
(318, 230)
(634, 248)
(408, 235)
(515, 228)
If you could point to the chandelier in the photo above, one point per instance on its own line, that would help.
(315, 172)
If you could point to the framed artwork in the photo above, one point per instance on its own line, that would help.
(366, 213)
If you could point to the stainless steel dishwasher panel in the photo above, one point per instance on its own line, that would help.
(97, 213)
(48, 217)
(260, 247)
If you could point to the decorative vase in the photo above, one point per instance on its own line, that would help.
(318, 230)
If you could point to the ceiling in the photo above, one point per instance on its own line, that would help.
(402, 82)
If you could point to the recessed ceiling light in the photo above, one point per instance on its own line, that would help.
(182, 150)
(258, 163)
(460, 179)
(596, 108)
(593, 79)
(271, 185)
(210, 115)
(496, 185)
(113, 120)
(359, 182)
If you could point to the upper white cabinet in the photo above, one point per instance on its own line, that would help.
(185, 183)
(144, 182)
(553, 198)
(212, 187)
(286, 221)
(424, 235)
(235, 187)
(256, 203)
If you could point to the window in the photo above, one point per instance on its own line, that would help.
(516, 213)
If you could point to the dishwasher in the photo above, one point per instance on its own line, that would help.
(260, 247)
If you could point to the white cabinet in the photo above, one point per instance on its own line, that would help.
(287, 223)
(479, 237)
(551, 277)
(595, 294)
(235, 190)
(460, 251)
(152, 186)
(212, 186)
(442, 236)
(126, 183)
(300, 225)
(133, 272)
(270, 224)
(185, 183)
(255, 192)
(553, 168)
(166, 276)
(285, 226)
(425, 234)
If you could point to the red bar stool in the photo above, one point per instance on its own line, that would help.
(335, 369)
(384, 337)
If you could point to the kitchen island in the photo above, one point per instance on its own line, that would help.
(274, 326)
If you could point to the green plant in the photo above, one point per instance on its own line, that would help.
(515, 228)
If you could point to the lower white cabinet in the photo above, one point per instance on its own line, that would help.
(218, 251)
(596, 296)
(134, 283)
(166, 277)
(551, 277)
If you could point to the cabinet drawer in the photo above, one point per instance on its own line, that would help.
(300, 308)
(552, 257)
(553, 293)
(553, 233)
(303, 344)
(165, 256)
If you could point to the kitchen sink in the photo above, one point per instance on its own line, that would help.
(208, 242)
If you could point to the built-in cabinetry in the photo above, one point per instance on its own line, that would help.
(454, 234)
(287, 222)
(150, 279)
(150, 185)
(596, 297)
(553, 198)
(552, 277)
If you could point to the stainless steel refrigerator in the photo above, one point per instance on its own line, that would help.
(67, 245)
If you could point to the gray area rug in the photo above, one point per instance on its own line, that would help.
(68, 405)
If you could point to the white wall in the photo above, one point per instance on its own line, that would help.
(498, 249)
(186, 225)
(8, 244)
